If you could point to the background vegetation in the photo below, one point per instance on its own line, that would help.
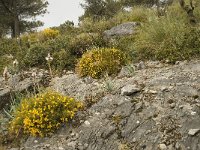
(169, 35)
(169, 31)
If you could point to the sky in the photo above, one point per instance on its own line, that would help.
(60, 11)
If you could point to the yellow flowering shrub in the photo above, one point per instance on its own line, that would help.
(30, 38)
(100, 61)
(49, 34)
(43, 114)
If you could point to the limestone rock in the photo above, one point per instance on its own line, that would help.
(162, 147)
(193, 131)
(121, 30)
(144, 120)
(130, 89)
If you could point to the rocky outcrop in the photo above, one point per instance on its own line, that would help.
(121, 30)
(26, 81)
(163, 113)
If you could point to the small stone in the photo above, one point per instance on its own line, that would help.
(87, 123)
(141, 66)
(35, 141)
(193, 113)
(192, 132)
(97, 113)
(138, 122)
(72, 134)
(148, 131)
(60, 148)
(172, 105)
(181, 106)
(151, 92)
(167, 61)
(162, 147)
(177, 62)
(47, 145)
(130, 89)
(164, 89)
(134, 140)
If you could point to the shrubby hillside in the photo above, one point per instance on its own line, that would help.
(127, 65)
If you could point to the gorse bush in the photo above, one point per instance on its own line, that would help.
(101, 61)
(43, 114)
(48, 34)
(41, 36)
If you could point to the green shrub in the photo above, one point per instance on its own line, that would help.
(9, 46)
(82, 42)
(5, 61)
(63, 60)
(168, 37)
(60, 42)
(88, 25)
(43, 114)
(35, 55)
(98, 62)
(125, 44)
(137, 14)
(31, 38)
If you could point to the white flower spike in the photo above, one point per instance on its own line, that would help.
(49, 58)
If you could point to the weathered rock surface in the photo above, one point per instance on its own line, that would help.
(121, 30)
(20, 83)
(130, 89)
(193, 131)
(158, 117)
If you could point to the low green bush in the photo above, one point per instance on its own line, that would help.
(35, 55)
(137, 14)
(84, 41)
(125, 44)
(9, 46)
(5, 61)
(63, 60)
(88, 25)
(169, 37)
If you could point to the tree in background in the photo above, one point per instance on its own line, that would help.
(138, 2)
(5, 19)
(15, 15)
(98, 9)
